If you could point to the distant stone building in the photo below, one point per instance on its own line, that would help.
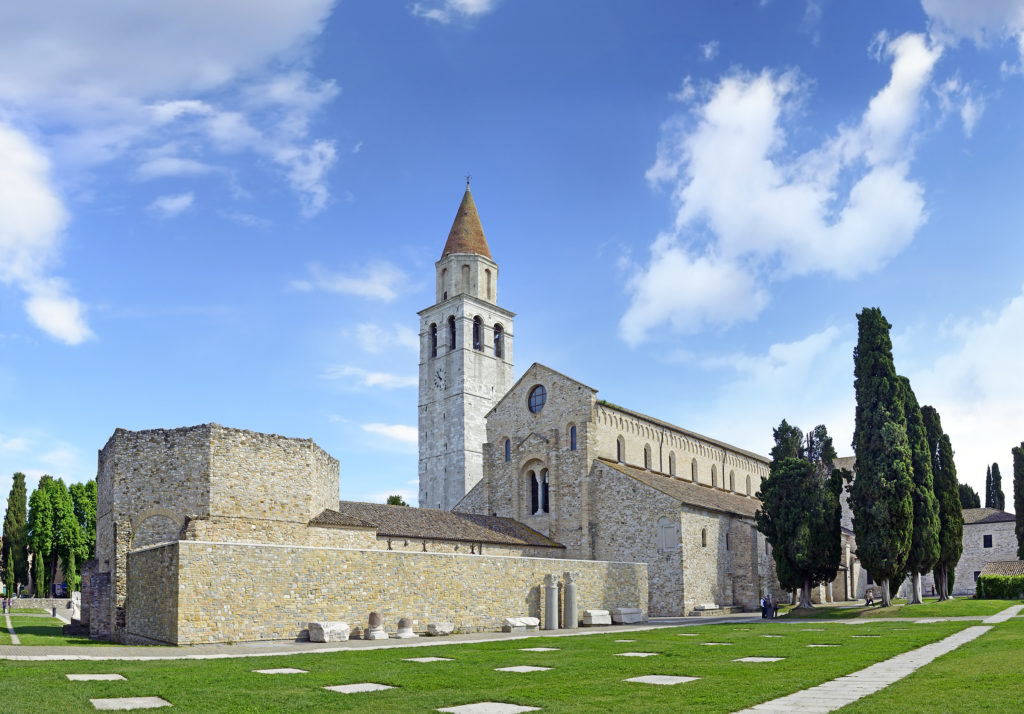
(989, 536)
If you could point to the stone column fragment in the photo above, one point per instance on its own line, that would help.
(551, 601)
(570, 620)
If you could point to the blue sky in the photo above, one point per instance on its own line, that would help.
(230, 212)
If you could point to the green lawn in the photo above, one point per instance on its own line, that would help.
(44, 631)
(29, 611)
(585, 674)
(959, 607)
(5, 638)
(984, 675)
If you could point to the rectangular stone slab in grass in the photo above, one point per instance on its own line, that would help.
(759, 659)
(281, 670)
(538, 649)
(489, 708)
(822, 645)
(713, 644)
(357, 688)
(771, 635)
(522, 669)
(661, 679)
(129, 703)
(636, 654)
(424, 660)
(95, 677)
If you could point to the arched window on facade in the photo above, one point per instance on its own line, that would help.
(451, 332)
(544, 502)
(693, 470)
(478, 336)
(534, 493)
(727, 541)
(620, 449)
(671, 463)
(444, 283)
(465, 279)
(667, 535)
(732, 480)
(508, 449)
(433, 339)
(487, 277)
(647, 456)
(703, 537)
(714, 476)
(748, 484)
(572, 438)
(499, 341)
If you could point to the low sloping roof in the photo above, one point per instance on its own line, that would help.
(431, 524)
(1004, 567)
(690, 493)
(975, 516)
(334, 519)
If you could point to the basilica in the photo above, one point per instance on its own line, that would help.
(606, 482)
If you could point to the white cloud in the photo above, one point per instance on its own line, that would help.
(171, 205)
(444, 11)
(978, 388)
(376, 339)
(34, 219)
(709, 50)
(398, 432)
(956, 96)
(984, 22)
(121, 76)
(369, 379)
(13, 443)
(807, 382)
(751, 212)
(379, 281)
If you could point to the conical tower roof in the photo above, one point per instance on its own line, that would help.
(467, 235)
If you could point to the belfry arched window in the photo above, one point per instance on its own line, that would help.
(433, 339)
(544, 481)
(499, 341)
(478, 336)
(451, 332)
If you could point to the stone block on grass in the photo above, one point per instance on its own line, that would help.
(596, 617)
(435, 629)
(626, 615)
(329, 631)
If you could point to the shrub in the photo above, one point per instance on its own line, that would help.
(1001, 587)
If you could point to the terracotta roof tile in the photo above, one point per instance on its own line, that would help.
(1004, 567)
(690, 493)
(975, 516)
(467, 235)
(431, 524)
(333, 519)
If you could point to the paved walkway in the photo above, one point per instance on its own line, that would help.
(10, 628)
(845, 690)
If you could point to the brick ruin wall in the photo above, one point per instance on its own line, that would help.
(242, 592)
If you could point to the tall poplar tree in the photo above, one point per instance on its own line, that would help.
(998, 499)
(924, 545)
(800, 512)
(1018, 495)
(15, 547)
(947, 493)
(41, 534)
(880, 496)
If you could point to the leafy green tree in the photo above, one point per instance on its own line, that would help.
(396, 500)
(994, 497)
(924, 544)
(1018, 495)
(969, 498)
(68, 542)
(800, 511)
(15, 534)
(83, 496)
(947, 493)
(880, 495)
(41, 533)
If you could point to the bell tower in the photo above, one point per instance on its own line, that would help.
(465, 362)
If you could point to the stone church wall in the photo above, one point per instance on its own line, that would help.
(222, 592)
(975, 555)
(717, 465)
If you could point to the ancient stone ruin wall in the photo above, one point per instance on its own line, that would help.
(241, 592)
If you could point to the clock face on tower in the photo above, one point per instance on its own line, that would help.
(439, 378)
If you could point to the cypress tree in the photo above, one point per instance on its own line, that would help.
(988, 487)
(947, 493)
(15, 548)
(924, 546)
(880, 496)
(1018, 495)
(800, 511)
(969, 498)
(998, 499)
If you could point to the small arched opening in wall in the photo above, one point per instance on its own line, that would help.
(533, 478)
(508, 450)
(703, 537)
(572, 437)
(499, 340)
(451, 332)
(647, 456)
(732, 480)
(671, 463)
(478, 333)
(433, 339)
(693, 470)
(714, 476)
(155, 525)
(487, 278)
(748, 484)
(465, 279)
(620, 449)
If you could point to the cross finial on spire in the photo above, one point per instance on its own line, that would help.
(468, 177)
